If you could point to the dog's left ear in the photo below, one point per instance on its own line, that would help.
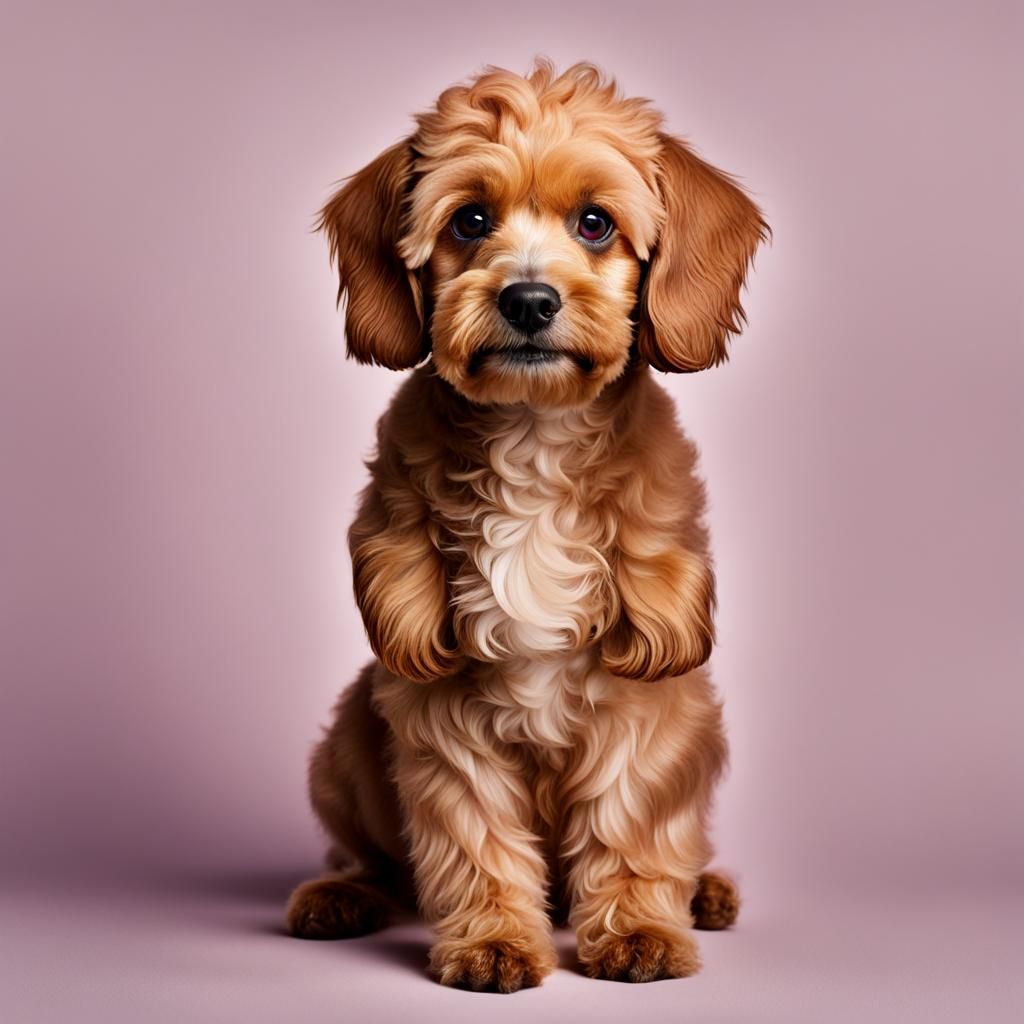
(384, 311)
(690, 302)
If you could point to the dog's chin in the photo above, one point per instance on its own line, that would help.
(529, 373)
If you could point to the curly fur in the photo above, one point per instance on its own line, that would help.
(538, 732)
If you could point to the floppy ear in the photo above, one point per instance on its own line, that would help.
(691, 298)
(384, 312)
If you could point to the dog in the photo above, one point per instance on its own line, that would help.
(538, 739)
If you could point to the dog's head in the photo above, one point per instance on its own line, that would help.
(535, 233)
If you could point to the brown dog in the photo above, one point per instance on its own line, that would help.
(529, 557)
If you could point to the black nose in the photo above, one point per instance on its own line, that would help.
(528, 305)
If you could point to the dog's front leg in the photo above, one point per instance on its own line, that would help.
(401, 586)
(480, 872)
(631, 927)
(636, 803)
(665, 626)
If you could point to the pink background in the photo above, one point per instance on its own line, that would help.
(181, 441)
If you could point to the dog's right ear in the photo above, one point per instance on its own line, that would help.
(384, 308)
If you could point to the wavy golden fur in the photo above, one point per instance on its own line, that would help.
(538, 733)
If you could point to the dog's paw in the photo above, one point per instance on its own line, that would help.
(641, 956)
(502, 966)
(716, 904)
(331, 908)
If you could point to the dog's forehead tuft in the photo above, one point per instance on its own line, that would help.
(548, 140)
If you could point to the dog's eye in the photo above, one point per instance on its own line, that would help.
(595, 225)
(469, 222)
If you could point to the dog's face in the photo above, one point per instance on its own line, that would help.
(534, 234)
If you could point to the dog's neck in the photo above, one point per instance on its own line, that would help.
(582, 434)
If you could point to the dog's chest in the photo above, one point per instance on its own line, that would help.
(533, 578)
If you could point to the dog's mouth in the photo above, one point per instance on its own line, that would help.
(525, 355)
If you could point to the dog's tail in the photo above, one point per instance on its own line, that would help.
(716, 903)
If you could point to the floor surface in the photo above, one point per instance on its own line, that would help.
(213, 950)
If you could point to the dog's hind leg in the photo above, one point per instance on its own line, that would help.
(716, 903)
(352, 794)
(338, 905)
